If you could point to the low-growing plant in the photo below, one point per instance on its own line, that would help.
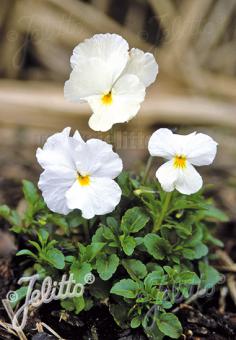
(140, 274)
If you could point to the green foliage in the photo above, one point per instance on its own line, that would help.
(45, 251)
(140, 273)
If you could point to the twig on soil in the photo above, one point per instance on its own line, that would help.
(226, 268)
(230, 278)
(7, 327)
(43, 324)
(192, 298)
(223, 293)
(39, 327)
(7, 306)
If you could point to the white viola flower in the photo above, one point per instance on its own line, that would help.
(110, 78)
(182, 153)
(79, 175)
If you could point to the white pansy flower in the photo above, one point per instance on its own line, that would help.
(110, 78)
(182, 153)
(79, 175)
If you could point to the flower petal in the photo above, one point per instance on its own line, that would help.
(100, 197)
(97, 159)
(127, 94)
(161, 144)
(143, 65)
(111, 48)
(201, 149)
(189, 180)
(167, 176)
(91, 79)
(54, 184)
(78, 137)
(58, 151)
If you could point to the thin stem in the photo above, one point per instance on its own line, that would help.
(147, 169)
(113, 138)
(86, 230)
(161, 217)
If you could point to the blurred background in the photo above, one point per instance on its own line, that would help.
(194, 42)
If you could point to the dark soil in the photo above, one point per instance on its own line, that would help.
(205, 318)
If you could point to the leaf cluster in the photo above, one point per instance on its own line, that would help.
(141, 274)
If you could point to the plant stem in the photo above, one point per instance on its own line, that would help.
(113, 138)
(161, 217)
(86, 230)
(147, 170)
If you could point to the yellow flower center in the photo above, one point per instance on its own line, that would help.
(83, 180)
(107, 98)
(180, 162)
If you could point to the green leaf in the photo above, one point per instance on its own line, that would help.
(5, 211)
(30, 192)
(113, 224)
(36, 246)
(187, 277)
(93, 250)
(26, 252)
(43, 236)
(195, 238)
(68, 305)
(135, 268)
(55, 257)
(169, 324)
(215, 214)
(135, 322)
(103, 234)
(126, 288)
(124, 183)
(106, 266)
(19, 295)
(215, 241)
(128, 244)
(58, 220)
(80, 270)
(155, 278)
(134, 220)
(108, 233)
(197, 252)
(183, 230)
(79, 304)
(209, 275)
(119, 313)
(156, 246)
(74, 220)
(11, 216)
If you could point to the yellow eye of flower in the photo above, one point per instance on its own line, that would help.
(83, 180)
(107, 98)
(180, 162)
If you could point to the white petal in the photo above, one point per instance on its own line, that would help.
(54, 184)
(78, 137)
(142, 65)
(93, 78)
(201, 149)
(127, 93)
(96, 158)
(111, 48)
(167, 176)
(189, 181)
(57, 151)
(161, 144)
(100, 197)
